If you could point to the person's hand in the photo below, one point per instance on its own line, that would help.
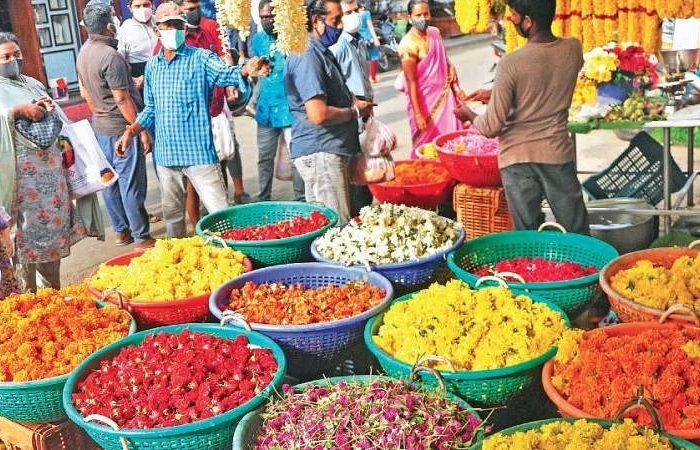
(465, 113)
(377, 42)
(256, 67)
(365, 108)
(6, 241)
(31, 112)
(45, 102)
(422, 123)
(481, 95)
(146, 142)
(462, 96)
(232, 95)
(123, 144)
(138, 82)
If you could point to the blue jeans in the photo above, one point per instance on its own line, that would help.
(268, 140)
(125, 199)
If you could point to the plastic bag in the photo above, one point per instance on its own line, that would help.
(283, 160)
(366, 169)
(88, 169)
(222, 131)
(379, 139)
(400, 82)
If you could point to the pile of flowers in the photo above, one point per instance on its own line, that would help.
(280, 304)
(174, 269)
(472, 144)
(581, 434)
(539, 270)
(49, 333)
(658, 286)
(386, 414)
(419, 172)
(599, 373)
(280, 230)
(170, 380)
(474, 329)
(389, 233)
(627, 65)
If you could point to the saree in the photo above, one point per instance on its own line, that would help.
(33, 186)
(435, 80)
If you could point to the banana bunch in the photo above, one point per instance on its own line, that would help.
(290, 25)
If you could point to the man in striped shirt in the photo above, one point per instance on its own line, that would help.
(177, 94)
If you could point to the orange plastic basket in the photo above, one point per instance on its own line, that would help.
(157, 314)
(627, 309)
(482, 210)
(567, 410)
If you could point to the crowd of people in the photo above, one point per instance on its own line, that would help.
(166, 83)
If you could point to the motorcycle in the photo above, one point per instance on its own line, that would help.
(388, 43)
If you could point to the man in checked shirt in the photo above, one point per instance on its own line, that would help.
(178, 88)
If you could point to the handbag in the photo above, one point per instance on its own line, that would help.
(42, 133)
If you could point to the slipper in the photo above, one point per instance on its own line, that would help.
(152, 218)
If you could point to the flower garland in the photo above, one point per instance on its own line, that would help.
(290, 26)
(234, 14)
(473, 16)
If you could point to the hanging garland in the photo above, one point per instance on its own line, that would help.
(290, 26)
(473, 16)
(234, 14)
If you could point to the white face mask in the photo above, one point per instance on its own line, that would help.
(142, 15)
(351, 23)
(172, 39)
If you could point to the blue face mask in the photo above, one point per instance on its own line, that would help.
(331, 35)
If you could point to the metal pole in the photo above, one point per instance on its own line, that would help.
(691, 163)
(667, 177)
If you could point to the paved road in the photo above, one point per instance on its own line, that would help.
(473, 58)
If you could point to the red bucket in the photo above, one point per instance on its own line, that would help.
(474, 170)
(158, 314)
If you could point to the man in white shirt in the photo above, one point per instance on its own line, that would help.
(137, 38)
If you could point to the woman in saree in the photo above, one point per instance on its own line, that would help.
(34, 184)
(431, 85)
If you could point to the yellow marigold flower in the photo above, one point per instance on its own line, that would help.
(481, 329)
(174, 269)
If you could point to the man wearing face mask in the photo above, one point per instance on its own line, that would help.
(353, 58)
(272, 114)
(137, 38)
(178, 91)
(528, 109)
(325, 130)
(107, 86)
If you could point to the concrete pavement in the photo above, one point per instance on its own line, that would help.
(471, 55)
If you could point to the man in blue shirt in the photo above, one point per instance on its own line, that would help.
(272, 114)
(325, 131)
(178, 90)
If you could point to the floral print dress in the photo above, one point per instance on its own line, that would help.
(8, 281)
(46, 221)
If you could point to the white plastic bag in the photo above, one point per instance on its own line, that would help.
(222, 132)
(400, 82)
(283, 160)
(88, 169)
(379, 139)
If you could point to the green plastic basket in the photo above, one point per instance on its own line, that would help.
(214, 433)
(482, 387)
(572, 296)
(677, 442)
(249, 426)
(272, 252)
(41, 400)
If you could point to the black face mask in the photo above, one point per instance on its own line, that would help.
(194, 17)
(268, 27)
(521, 31)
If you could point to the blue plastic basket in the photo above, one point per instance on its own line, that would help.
(215, 433)
(405, 276)
(39, 401)
(309, 348)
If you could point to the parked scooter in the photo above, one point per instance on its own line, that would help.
(389, 44)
